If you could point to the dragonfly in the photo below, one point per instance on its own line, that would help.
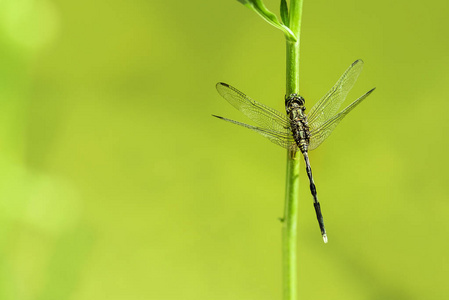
(295, 130)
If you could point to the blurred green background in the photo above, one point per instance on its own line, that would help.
(116, 182)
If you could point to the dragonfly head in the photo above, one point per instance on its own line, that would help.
(294, 101)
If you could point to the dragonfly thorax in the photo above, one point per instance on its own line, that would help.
(294, 106)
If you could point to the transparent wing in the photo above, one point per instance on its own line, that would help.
(328, 106)
(281, 138)
(264, 116)
(318, 135)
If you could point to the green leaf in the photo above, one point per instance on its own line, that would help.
(261, 10)
(284, 12)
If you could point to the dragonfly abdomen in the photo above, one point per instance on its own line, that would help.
(316, 203)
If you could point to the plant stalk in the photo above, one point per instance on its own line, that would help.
(289, 230)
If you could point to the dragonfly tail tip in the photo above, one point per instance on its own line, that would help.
(325, 238)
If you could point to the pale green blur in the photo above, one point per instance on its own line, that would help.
(116, 182)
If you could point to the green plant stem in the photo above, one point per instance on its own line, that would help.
(292, 66)
(289, 230)
(289, 227)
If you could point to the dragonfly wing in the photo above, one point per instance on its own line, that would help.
(328, 106)
(318, 135)
(264, 116)
(281, 138)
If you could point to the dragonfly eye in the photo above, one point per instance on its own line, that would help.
(294, 99)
